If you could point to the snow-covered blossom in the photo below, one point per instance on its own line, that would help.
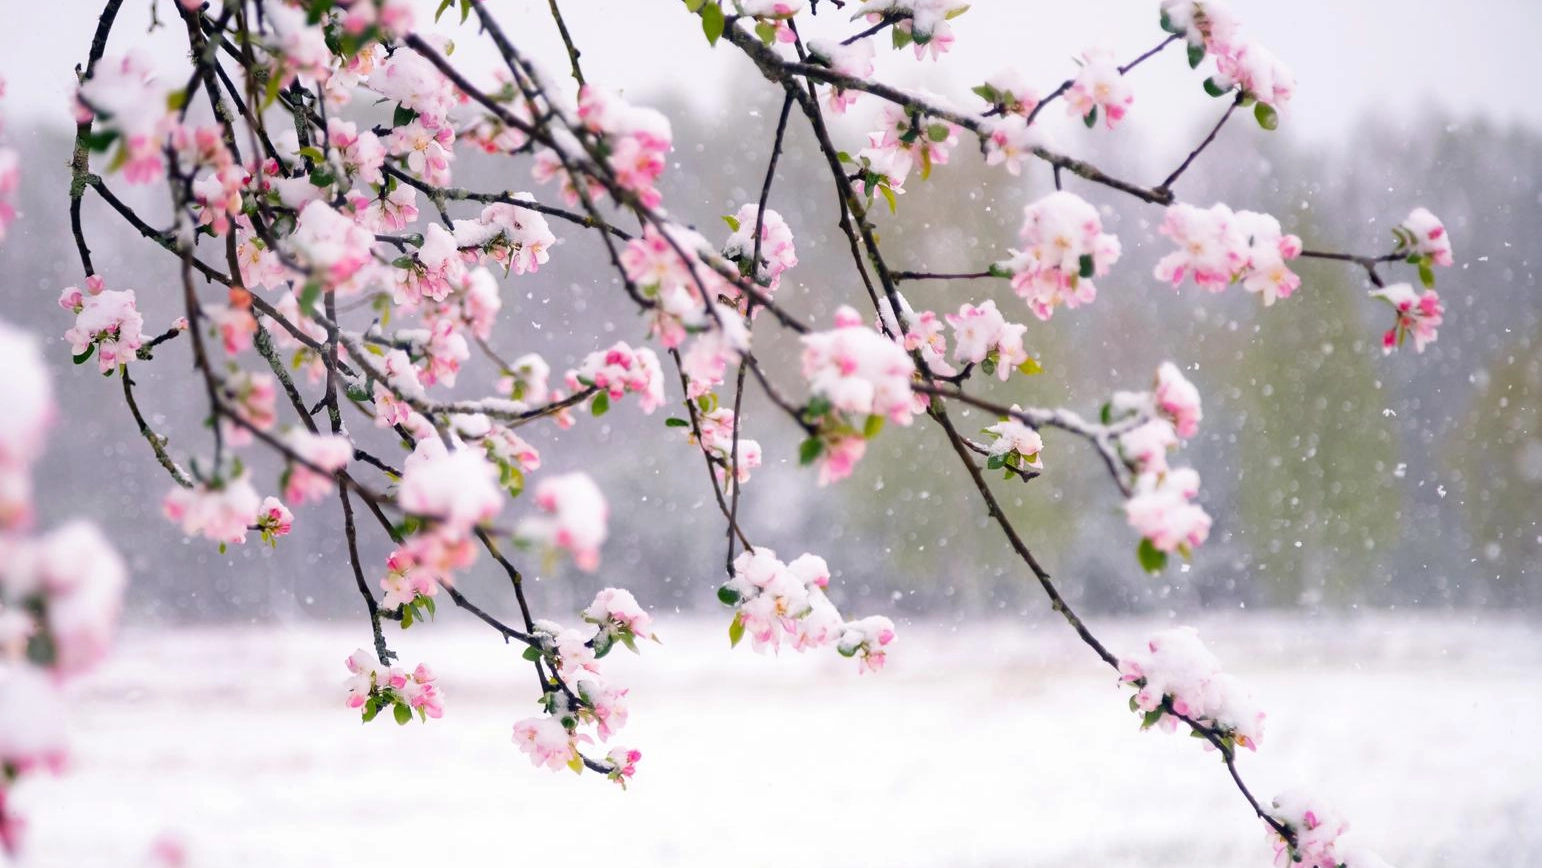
(1418, 314)
(274, 520)
(415, 83)
(221, 510)
(361, 153)
(27, 395)
(1176, 674)
(925, 17)
(32, 726)
(776, 248)
(548, 743)
(1160, 509)
(106, 322)
(124, 95)
(1064, 248)
(77, 579)
(982, 334)
(374, 687)
(855, 60)
(458, 489)
(1209, 23)
(1010, 92)
(334, 247)
(1146, 445)
(1009, 140)
(1318, 830)
(299, 46)
(859, 371)
(1255, 69)
(717, 440)
(1218, 247)
(616, 612)
(518, 238)
(1425, 236)
(1099, 85)
(776, 602)
(576, 518)
(1178, 400)
(1016, 443)
(619, 370)
(639, 140)
(927, 140)
(623, 764)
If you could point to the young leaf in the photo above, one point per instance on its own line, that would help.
(712, 22)
(1426, 273)
(600, 404)
(1152, 559)
(872, 426)
(1091, 118)
(85, 354)
(676, 422)
(403, 713)
(727, 596)
(735, 632)
(1214, 89)
(532, 654)
(1267, 117)
(1196, 55)
(1030, 367)
(732, 221)
(809, 450)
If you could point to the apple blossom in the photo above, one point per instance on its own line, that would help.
(456, 489)
(548, 743)
(1426, 236)
(1418, 314)
(1064, 248)
(858, 371)
(1100, 85)
(107, 323)
(1176, 674)
(1016, 444)
(982, 334)
(219, 510)
(576, 518)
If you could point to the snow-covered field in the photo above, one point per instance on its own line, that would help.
(1000, 744)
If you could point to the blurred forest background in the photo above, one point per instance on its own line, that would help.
(1337, 477)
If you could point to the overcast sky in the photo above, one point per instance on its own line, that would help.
(1402, 56)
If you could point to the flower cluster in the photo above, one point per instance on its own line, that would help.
(219, 509)
(1210, 28)
(774, 601)
(922, 22)
(580, 696)
(718, 427)
(982, 336)
(1418, 314)
(61, 593)
(636, 140)
(1177, 675)
(1014, 444)
(106, 323)
(1160, 504)
(1064, 247)
(617, 371)
(1218, 247)
(374, 687)
(777, 253)
(857, 379)
(1318, 829)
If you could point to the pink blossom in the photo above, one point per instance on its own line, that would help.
(982, 333)
(274, 519)
(1020, 443)
(1178, 400)
(859, 371)
(220, 511)
(335, 247)
(616, 612)
(457, 489)
(1176, 671)
(1099, 85)
(868, 640)
(1418, 314)
(623, 764)
(840, 457)
(547, 742)
(109, 323)
(1064, 247)
(776, 248)
(620, 370)
(1428, 237)
(1159, 508)
(576, 518)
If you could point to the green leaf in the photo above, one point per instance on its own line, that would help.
(735, 632)
(732, 221)
(85, 355)
(1267, 117)
(693, 6)
(1426, 273)
(1152, 559)
(403, 116)
(532, 654)
(872, 426)
(1030, 367)
(712, 22)
(370, 710)
(1106, 413)
(98, 141)
(902, 38)
(1167, 23)
(676, 422)
(937, 132)
(1134, 703)
(995, 462)
(443, 5)
(1151, 718)
(809, 450)
(1086, 267)
(309, 295)
(727, 596)
(406, 617)
(1214, 89)
(403, 713)
(1091, 118)
(600, 404)
(888, 195)
(313, 153)
(766, 31)
(1196, 54)
(428, 603)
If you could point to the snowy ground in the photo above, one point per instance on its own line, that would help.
(1003, 745)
